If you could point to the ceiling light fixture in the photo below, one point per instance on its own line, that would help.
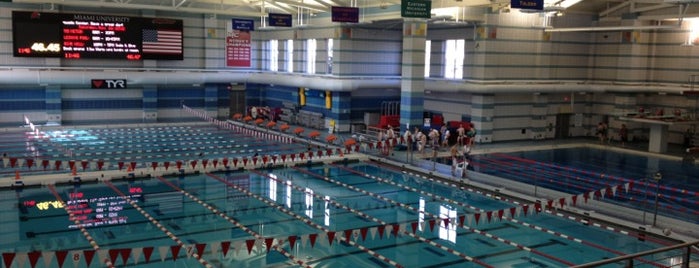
(568, 3)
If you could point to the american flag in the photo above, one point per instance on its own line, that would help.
(162, 41)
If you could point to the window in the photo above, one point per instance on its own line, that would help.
(428, 50)
(693, 37)
(454, 59)
(311, 56)
(330, 56)
(273, 55)
(290, 56)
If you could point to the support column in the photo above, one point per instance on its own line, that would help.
(482, 116)
(657, 142)
(539, 116)
(53, 105)
(413, 73)
(342, 47)
(632, 43)
(150, 104)
(341, 110)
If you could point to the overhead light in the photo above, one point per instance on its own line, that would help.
(568, 3)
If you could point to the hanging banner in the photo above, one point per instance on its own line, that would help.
(415, 9)
(243, 25)
(238, 49)
(279, 20)
(344, 14)
(527, 4)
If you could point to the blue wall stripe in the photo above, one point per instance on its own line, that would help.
(101, 104)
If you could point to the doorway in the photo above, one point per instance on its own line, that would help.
(562, 126)
(237, 99)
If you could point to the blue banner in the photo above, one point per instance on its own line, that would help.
(345, 14)
(281, 20)
(243, 25)
(528, 4)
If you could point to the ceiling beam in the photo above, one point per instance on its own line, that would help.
(97, 4)
(301, 4)
(325, 4)
(614, 8)
(651, 8)
(178, 4)
(285, 8)
(333, 3)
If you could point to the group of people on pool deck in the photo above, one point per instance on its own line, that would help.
(602, 133)
(460, 146)
(433, 138)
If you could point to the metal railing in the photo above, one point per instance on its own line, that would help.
(628, 260)
(693, 81)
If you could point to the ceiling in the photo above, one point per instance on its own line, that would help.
(604, 9)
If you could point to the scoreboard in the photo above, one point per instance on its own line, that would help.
(85, 36)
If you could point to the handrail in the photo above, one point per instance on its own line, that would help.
(629, 258)
(693, 80)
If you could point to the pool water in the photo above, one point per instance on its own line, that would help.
(325, 215)
(579, 170)
(54, 150)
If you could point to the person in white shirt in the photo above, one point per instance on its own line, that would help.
(461, 133)
(390, 135)
(434, 138)
(408, 137)
(422, 142)
(445, 137)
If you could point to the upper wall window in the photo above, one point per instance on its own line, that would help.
(454, 59)
(330, 56)
(290, 55)
(273, 55)
(311, 56)
(428, 50)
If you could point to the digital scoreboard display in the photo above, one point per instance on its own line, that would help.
(84, 36)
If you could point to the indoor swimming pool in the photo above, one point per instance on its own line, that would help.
(91, 149)
(583, 169)
(344, 214)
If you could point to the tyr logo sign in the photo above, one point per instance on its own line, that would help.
(108, 83)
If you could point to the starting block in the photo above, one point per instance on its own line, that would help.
(460, 169)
